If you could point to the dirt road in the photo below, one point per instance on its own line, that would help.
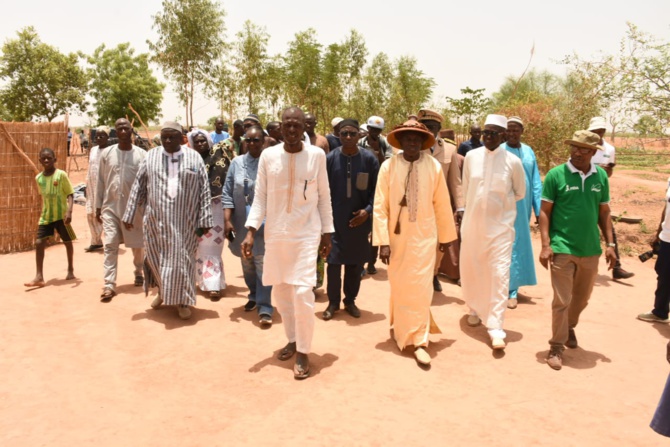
(76, 372)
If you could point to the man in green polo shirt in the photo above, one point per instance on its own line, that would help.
(575, 202)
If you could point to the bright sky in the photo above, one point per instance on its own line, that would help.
(458, 44)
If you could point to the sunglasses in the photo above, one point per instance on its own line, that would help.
(253, 140)
(348, 134)
(490, 133)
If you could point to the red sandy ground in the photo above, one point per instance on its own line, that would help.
(76, 372)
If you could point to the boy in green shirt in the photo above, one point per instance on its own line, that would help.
(575, 202)
(57, 201)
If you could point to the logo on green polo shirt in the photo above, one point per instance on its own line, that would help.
(597, 187)
(571, 188)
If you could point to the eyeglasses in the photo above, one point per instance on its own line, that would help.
(253, 140)
(490, 133)
(348, 134)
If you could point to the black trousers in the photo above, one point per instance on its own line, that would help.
(352, 283)
(662, 299)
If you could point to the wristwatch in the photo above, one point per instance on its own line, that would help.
(611, 244)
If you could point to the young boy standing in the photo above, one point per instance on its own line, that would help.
(57, 201)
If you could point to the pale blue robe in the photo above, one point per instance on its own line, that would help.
(522, 269)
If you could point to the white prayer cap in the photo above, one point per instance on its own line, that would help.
(104, 129)
(515, 119)
(336, 121)
(496, 120)
(364, 127)
(171, 125)
(597, 123)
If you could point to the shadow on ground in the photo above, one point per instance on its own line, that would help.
(577, 358)
(167, 315)
(317, 362)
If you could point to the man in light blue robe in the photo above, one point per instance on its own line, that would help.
(522, 270)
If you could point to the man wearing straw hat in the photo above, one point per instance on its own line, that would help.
(493, 181)
(575, 202)
(412, 215)
(606, 159)
(102, 140)
(118, 165)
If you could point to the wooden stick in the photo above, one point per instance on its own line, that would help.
(19, 150)
(130, 106)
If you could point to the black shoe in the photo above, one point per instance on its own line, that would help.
(363, 273)
(91, 248)
(572, 339)
(372, 269)
(251, 305)
(353, 310)
(436, 284)
(329, 312)
(619, 273)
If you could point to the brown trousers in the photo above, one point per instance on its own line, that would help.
(572, 278)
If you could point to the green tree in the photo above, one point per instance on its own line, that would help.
(250, 60)
(303, 70)
(648, 126)
(470, 108)
(190, 39)
(410, 89)
(119, 77)
(40, 81)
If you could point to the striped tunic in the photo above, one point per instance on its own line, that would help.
(170, 224)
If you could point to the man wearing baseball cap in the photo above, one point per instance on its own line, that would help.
(375, 142)
(446, 154)
(575, 202)
(606, 159)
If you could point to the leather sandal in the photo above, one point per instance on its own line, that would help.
(107, 295)
(287, 351)
(301, 367)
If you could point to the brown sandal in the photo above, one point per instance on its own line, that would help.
(107, 295)
(287, 351)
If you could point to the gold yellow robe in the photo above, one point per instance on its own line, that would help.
(425, 220)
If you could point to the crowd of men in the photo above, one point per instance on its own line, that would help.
(289, 199)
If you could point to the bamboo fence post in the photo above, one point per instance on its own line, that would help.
(19, 150)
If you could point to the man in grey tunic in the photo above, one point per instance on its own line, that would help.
(173, 184)
(118, 165)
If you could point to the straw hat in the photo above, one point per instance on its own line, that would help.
(411, 126)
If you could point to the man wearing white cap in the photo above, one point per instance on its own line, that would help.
(606, 159)
(493, 181)
(334, 138)
(375, 142)
(102, 141)
(522, 271)
(173, 184)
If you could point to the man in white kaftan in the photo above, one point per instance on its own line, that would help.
(95, 227)
(292, 196)
(118, 165)
(412, 214)
(493, 181)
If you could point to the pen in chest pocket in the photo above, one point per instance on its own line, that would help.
(304, 191)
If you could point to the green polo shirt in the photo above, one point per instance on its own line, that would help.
(574, 218)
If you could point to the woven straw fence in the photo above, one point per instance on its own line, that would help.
(20, 201)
